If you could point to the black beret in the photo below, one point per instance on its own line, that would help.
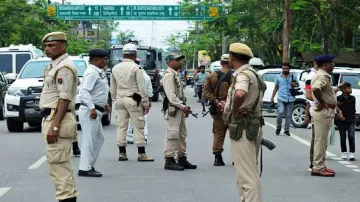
(324, 58)
(98, 53)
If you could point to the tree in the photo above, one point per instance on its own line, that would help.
(124, 36)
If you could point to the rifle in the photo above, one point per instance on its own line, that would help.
(268, 144)
(206, 113)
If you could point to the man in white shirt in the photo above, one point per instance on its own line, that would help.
(149, 90)
(310, 109)
(94, 92)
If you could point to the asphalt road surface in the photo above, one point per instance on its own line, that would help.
(24, 173)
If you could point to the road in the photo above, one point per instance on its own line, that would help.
(24, 172)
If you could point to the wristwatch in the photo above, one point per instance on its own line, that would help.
(55, 128)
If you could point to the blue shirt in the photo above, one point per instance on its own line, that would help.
(201, 77)
(284, 86)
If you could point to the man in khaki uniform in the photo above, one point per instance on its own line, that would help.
(215, 90)
(243, 113)
(175, 110)
(132, 102)
(324, 112)
(57, 104)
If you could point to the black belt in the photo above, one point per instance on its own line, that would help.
(47, 111)
(97, 107)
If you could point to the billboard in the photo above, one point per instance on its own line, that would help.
(203, 58)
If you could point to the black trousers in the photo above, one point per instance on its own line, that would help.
(349, 130)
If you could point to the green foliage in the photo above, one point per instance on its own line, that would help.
(259, 23)
(24, 23)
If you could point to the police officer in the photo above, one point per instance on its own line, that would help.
(175, 113)
(149, 90)
(132, 102)
(324, 112)
(57, 103)
(93, 94)
(243, 113)
(215, 90)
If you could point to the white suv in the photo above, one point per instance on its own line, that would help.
(298, 114)
(21, 102)
(339, 75)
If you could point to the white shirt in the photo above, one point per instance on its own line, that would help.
(148, 84)
(94, 89)
(312, 103)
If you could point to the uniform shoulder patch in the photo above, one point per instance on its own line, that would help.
(60, 80)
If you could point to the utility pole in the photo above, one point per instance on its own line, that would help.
(98, 31)
(286, 34)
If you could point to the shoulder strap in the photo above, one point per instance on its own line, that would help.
(224, 76)
(67, 67)
(221, 76)
(259, 86)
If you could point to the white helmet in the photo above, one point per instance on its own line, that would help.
(129, 48)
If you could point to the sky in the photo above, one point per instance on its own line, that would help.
(143, 29)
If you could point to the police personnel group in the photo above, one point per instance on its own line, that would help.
(235, 93)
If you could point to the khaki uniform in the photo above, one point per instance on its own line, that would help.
(176, 132)
(60, 82)
(244, 151)
(322, 119)
(219, 127)
(128, 79)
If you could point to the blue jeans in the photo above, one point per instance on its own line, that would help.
(282, 107)
(348, 128)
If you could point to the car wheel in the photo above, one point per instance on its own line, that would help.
(298, 116)
(14, 125)
(34, 124)
(2, 112)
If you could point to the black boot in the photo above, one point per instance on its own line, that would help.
(170, 164)
(69, 200)
(218, 160)
(76, 149)
(185, 163)
(122, 154)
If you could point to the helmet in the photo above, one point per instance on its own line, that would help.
(129, 48)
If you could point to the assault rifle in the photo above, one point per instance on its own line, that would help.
(268, 144)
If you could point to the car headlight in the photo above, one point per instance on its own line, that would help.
(15, 91)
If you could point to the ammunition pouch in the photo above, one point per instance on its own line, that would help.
(46, 112)
(250, 124)
(172, 111)
(136, 97)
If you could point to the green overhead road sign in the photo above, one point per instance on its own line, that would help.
(133, 12)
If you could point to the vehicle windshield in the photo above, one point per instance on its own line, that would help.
(36, 69)
(142, 55)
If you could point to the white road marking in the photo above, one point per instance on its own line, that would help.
(344, 162)
(299, 139)
(3, 190)
(37, 163)
(352, 166)
(329, 154)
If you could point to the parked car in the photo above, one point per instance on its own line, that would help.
(339, 75)
(22, 97)
(298, 114)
